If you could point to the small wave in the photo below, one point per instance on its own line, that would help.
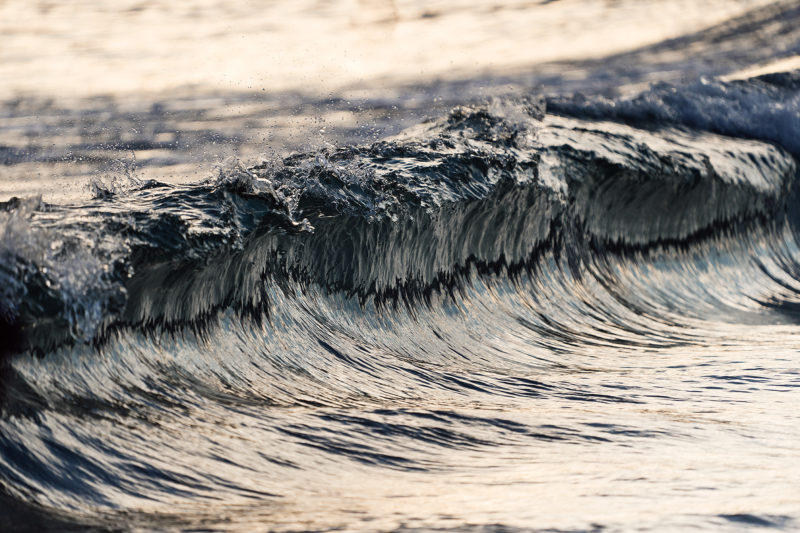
(486, 188)
(764, 108)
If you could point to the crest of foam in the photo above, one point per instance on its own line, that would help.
(73, 272)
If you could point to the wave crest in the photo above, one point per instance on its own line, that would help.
(487, 187)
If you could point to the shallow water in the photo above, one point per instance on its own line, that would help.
(480, 303)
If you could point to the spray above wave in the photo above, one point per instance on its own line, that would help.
(485, 188)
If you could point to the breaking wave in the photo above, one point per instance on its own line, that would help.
(509, 235)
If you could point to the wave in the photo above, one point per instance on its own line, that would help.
(216, 355)
(485, 190)
(763, 108)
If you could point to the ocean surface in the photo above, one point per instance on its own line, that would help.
(400, 266)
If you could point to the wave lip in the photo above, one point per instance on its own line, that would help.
(485, 187)
(636, 187)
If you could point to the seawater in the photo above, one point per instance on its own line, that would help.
(500, 306)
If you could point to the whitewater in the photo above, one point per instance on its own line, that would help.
(560, 295)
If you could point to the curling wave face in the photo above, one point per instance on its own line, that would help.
(407, 307)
